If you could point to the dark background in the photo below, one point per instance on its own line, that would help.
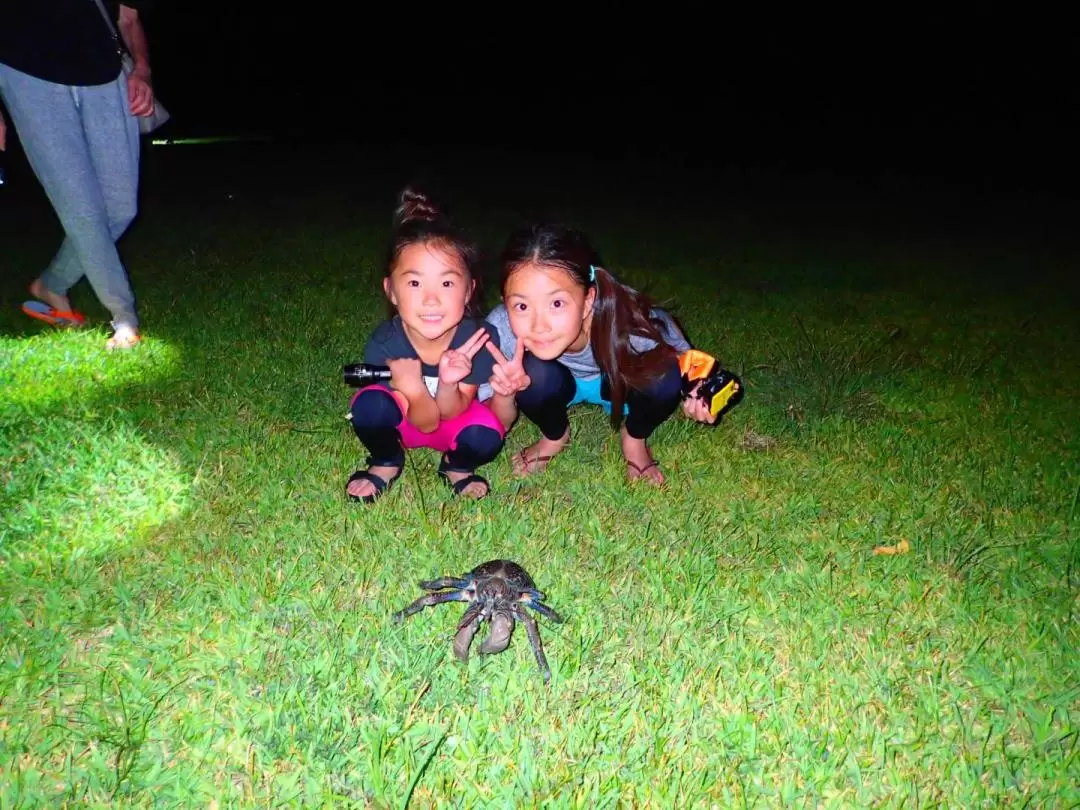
(994, 107)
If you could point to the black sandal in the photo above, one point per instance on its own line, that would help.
(381, 485)
(459, 487)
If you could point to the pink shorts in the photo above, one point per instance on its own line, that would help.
(444, 437)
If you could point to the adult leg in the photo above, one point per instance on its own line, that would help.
(113, 135)
(545, 404)
(83, 146)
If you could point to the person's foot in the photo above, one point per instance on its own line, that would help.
(639, 460)
(124, 337)
(474, 489)
(43, 293)
(362, 488)
(535, 458)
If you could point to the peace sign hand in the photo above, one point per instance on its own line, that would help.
(455, 364)
(508, 376)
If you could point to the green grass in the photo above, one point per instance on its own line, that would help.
(191, 612)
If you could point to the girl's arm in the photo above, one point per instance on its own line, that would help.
(507, 378)
(454, 398)
(453, 394)
(407, 377)
(505, 408)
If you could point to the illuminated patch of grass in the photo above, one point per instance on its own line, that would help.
(191, 612)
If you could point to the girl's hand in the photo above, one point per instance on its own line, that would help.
(696, 408)
(455, 364)
(407, 375)
(508, 376)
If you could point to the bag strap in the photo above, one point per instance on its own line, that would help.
(112, 28)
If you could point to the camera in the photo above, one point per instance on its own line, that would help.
(360, 374)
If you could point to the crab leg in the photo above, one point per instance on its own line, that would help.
(430, 600)
(544, 610)
(534, 639)
(444, 582)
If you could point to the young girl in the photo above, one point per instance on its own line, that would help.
(590, 338)
(431, 343)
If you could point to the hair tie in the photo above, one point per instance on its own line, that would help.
(592, 274)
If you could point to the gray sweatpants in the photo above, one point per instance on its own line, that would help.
(83, 145)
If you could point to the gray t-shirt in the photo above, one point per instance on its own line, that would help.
(582, 364)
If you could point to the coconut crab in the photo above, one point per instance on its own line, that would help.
(497, 591)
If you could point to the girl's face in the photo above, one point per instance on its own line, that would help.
(549, 311)
(430, 288)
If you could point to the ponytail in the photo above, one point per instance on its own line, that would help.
(620, 311)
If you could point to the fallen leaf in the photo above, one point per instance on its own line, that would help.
(903, 547)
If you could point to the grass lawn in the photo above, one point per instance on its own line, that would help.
(191, 612)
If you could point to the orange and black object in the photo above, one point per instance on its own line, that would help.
(720, 388)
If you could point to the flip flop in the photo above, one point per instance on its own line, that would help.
(43, 312)
(538, 460)
(642, 470)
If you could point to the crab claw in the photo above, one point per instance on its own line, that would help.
(502, 625)
(470, 623)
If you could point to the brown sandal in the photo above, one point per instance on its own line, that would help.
(526, 461)
(642, 470)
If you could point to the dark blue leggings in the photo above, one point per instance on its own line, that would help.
(552, 386)
(375, 419)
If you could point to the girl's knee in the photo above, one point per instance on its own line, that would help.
(374, 407)
(543, 370)
(549, 380)
(475, 446)
(481, 439)
(669, 387)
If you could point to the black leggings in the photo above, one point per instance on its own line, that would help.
(375, 419)
(552, 387)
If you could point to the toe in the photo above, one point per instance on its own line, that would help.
(360, 489)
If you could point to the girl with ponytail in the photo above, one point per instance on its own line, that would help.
(575, 333)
